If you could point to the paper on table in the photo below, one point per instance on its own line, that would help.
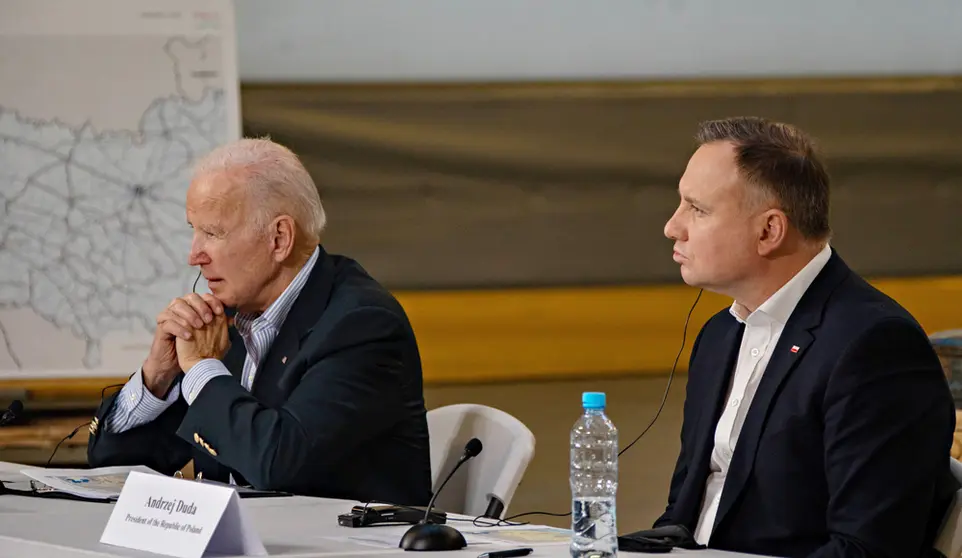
(523, 535)
(105, 482)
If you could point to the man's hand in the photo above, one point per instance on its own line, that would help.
(210, 341)
(178, 321)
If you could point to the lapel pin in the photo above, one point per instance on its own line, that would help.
(794, 348)
(284, 360)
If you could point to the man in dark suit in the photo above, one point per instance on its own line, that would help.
(298, 372)
(818, 420)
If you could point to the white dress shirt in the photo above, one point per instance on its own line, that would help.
(763, 327)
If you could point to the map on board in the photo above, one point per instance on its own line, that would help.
(104, 108)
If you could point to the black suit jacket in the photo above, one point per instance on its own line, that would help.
(845, 448)
(336, 408)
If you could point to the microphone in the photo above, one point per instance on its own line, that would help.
(471, 449)
(430, 536)
(12, 412)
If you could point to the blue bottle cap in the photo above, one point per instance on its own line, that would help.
(593, 400)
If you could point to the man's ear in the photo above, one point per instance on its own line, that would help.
(282, 234)
(773, 231)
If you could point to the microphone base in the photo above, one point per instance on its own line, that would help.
(431, 537)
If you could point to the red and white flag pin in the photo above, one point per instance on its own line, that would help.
(795, 348)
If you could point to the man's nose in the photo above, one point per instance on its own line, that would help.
(193, 258)
(196, 255)
(672, 228)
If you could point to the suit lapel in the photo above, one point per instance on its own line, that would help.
(308, 306)
(796, 337)
(718, 376)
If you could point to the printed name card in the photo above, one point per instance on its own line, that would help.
(182, 518)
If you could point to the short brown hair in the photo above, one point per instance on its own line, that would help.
(781, 159)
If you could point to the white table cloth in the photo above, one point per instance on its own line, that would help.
(292, 527)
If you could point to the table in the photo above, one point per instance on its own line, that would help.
(292, 527)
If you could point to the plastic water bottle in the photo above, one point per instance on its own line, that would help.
(594, 481)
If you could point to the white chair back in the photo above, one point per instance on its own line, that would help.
(508, 446)
(949, 539)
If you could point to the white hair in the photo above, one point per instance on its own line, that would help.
(275, 178)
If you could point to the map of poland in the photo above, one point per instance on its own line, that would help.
(93, 237)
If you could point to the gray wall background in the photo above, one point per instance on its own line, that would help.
(493, 40)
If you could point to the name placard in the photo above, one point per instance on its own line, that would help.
(182, 518)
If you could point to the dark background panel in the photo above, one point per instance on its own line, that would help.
(493, 186)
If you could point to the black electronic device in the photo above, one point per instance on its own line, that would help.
(367, 516)
(659, 540)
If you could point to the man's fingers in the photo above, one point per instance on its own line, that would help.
(184, 317)
(214, 304)
(173, 327)
(168, 315)
(182, 322)
(200, 306)
(187, 312)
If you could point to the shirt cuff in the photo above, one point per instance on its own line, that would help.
(136, 405)
(197, 377)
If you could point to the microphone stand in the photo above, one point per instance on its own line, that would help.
(432, 536)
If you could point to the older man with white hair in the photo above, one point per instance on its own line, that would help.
(299, 372)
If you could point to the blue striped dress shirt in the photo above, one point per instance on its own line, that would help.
(136, 405)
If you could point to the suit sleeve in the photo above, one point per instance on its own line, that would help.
(154, 444)
(889, 419)
(348, 395)
(684, 455)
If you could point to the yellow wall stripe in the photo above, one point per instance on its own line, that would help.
(502, 335)
(552, 333)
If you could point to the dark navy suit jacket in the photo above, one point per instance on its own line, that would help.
(845, 448)
(336, 408)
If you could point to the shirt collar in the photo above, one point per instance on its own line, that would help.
(277, 312)
(779, 306)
